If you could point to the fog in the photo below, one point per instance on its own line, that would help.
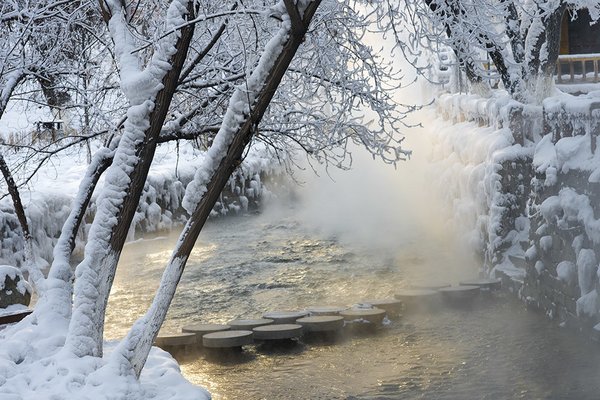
(393, 212)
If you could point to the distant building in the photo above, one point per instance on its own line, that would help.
(578, 35)
(579, 54)
(48, 130)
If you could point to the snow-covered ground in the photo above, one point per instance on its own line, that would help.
(45, 372)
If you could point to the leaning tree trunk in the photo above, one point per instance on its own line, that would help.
(223, 157)
(150, 92)
(56, 300)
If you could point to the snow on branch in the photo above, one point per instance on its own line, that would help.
(237, 112)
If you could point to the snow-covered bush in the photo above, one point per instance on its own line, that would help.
(159, 209)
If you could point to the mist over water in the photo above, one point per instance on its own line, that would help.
(393, 213)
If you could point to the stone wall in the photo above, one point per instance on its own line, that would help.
(507, 179)
(554, 188)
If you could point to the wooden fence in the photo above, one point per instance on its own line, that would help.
(578, 63)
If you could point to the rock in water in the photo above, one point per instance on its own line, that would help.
(14, 289)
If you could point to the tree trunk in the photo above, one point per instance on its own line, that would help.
(36, 277)
(552, 23)
(120, 197)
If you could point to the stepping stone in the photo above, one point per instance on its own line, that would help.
(175, 339)
(285, 317)
(372, 315)
(227, 339)
(248, 324)
(278, 332)
(429, 285)
(202, 329)
(418, 299)
(460, 293)
(392, 307)
(412, 295)
(325, 310)
(321, 323)
(486, 284)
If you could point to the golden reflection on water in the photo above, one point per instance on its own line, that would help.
(245, 268)
(387, 361)
(138, 275)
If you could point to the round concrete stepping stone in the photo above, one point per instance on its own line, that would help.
(372, 315)
(418, 299)
(325, 310)
(429, 285)
(460, 292)
(415, 294)
(227, 339)
(285, 317)
(321, 323)
(248, 324)
(175, 339)
(489, 284)
(202, 329)
(278, 331)
(391, 306)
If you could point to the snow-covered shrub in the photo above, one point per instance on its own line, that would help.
(160, 207)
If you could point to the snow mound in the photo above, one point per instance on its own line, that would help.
(36, 369)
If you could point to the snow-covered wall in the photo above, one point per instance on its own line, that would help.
(482, 168)
(564, 210)
(525, 181)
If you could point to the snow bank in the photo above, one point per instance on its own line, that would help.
(36, 369)
(12, 273)
(48, 203)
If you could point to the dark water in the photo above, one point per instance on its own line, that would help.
(245, 266)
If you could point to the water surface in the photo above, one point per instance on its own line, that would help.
(245, 266)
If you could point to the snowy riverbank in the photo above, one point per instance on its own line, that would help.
(48, 197)
(31, 364)
(524, 180)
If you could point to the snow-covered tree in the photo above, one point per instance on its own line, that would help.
(294, 74)
(519, 38)
(32, 49)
